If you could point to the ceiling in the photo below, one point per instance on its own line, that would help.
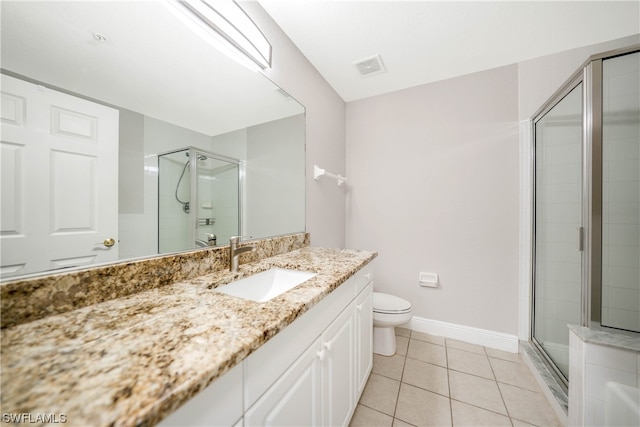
(427, 41)
(151, 63)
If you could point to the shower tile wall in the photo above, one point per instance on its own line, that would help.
(218, 192)
(621, 193)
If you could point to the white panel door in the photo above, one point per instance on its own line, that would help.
(59, 180)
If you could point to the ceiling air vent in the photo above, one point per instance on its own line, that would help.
(370, 66)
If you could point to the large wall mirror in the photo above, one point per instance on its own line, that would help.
(126, 135)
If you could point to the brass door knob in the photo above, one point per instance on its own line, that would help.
(109, 242)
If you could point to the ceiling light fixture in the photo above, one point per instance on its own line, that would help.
(227, 27)
(100, 37)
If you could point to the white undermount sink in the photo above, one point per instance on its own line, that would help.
(264, 286)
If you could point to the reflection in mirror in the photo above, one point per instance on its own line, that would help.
(190, 221)
(101, 102)
(620, 306)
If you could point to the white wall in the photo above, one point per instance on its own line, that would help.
(325, 129)
(232, 144)
(132, 225)
(433, 186)
(275, 178)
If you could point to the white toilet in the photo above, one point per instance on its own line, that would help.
(388, 312)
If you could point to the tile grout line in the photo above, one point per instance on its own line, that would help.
(446, 359)
(404, 363)
(488, 357)
(499, 389)
(480, 407)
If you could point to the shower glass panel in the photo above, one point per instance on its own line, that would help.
(621, 192)
(217, 216)
(198, 200)
(174, 201)
(558, 218)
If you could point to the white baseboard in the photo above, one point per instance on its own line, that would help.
(483, 337)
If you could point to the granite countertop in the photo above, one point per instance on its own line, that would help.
(133, 360)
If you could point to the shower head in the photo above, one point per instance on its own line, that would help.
(199, 156)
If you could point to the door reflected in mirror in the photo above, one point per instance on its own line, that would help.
(96, 132)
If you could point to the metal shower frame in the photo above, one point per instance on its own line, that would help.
(590, 75)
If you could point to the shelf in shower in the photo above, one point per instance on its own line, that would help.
(206, 221)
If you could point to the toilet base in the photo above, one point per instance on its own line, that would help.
(384, 340)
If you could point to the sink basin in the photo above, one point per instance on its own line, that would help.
(264, 286)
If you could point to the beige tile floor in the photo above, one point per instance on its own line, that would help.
(433, 381)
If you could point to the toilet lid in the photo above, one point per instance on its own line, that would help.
(385, 303)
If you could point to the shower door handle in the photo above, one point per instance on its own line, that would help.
(580, 231)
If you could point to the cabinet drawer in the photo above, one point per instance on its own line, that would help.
(364, 277)
(219, 404)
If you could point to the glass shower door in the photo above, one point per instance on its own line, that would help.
(174, 202)
(558, 221)
(218, 196)
(621, 192)
(198, 199)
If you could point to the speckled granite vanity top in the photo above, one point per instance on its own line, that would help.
(133, 360)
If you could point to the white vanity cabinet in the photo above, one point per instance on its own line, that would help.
(311, 373)
(323, 385)
(318, 389)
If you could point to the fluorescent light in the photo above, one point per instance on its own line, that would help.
(227, 27)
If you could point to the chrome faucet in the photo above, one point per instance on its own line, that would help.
(235, 251)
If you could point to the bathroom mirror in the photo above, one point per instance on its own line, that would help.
(132, 77)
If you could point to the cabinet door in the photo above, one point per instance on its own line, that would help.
(296, 398)
(281, 351)
(338, 369)
(364, 337)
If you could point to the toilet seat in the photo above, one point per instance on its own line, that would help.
(390, 304)
(388, 312)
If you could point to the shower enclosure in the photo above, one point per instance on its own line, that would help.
(586, 237)
(198, 199)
